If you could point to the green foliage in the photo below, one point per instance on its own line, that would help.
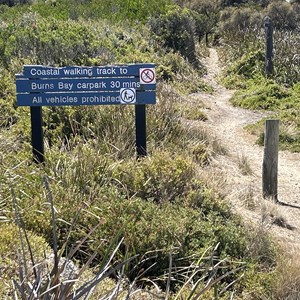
(176, 30)
(282, 15)
(58, 42)
(14, 2)
(283, 101)
(268, 95)
(243, 51)
(205, 14)
(156, 203)
(49, 42)
(115, 10)
(11, 254)
(233, 19)
(250, 64)
(250, 41)
(160, 179)
(286, 58)
(94, 189)
(247, 73)
(9, 115)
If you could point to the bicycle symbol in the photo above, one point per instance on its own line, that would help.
(147, 76)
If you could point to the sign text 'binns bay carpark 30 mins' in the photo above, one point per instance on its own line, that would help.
(100, 85)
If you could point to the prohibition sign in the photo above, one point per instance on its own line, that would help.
(128, 96)
(147, 75)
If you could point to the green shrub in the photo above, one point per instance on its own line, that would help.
(205, 14)
(161, 178)
(9, 115)
(267, 95)
(233, 20)
(14, 2)
(247, 66)
(282, 15)
(11, 255)
(49, 42)
(176, 30)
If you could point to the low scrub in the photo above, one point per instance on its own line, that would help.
(282, 101)
(149, 221)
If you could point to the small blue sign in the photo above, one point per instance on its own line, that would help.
(80, 85)
(77, 72)
(126, 96)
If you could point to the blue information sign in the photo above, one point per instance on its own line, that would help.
(126, 96)
(101, 85)
(79, 85)
(100, 71)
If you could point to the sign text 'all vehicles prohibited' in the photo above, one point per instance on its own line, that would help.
(147, 76)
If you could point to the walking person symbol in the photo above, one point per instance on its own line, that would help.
(128, 96)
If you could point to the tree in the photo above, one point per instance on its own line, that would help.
(282, 15)
(14, 2)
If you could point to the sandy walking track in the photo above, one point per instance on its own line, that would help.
(227, 123)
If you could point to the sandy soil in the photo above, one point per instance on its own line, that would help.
(244, 191)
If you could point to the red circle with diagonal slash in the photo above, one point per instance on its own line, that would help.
(147, 76)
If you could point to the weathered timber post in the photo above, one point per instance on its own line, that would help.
(140, 130)
(269, 45)
(37, 135)
(270, 161)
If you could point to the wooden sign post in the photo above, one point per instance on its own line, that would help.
(269, 46)
(140, 130)
(270, 161)
(37, 135)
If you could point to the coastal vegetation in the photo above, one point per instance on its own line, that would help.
(93, 221)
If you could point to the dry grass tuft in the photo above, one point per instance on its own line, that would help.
(287, 282)
(272, 215)
(244, 165)
(248, 198)
(217, 146)
(216, 181)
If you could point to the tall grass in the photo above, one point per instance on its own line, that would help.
(286, 57)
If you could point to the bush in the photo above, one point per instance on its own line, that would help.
(234, 19)
(179, 214)
(9, 115)
(282, 15)
(176, 30)
(14, 2)
(49, 42)
(11, 253)
(249, 65)
(268, 95)
(283, 101)
(162, 178)
(205, 14)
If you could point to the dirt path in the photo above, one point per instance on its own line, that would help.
(243, 187)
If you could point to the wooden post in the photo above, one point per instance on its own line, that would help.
(37, 139)
(140, 129)
(269, 46)
(270, 161)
